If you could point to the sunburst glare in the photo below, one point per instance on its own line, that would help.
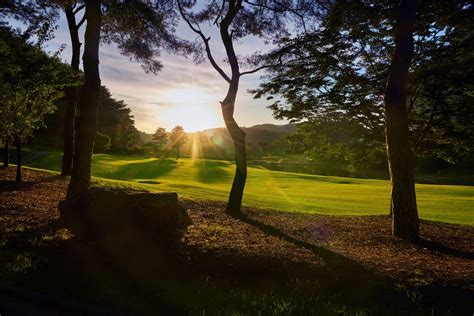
(192, 108)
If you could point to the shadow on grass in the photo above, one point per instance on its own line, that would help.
(211, 171)
(149, 169)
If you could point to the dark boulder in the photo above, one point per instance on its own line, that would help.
(126, 214)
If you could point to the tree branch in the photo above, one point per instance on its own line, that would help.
(79, 8)
(81, 22)
(248, 72)
(284, 8)
(205, 40)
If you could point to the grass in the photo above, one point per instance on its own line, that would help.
(200, 179)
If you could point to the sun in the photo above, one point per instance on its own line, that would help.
(190, 107)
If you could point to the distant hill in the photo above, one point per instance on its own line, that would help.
(287, 128)
(216, 142)
(261, 132)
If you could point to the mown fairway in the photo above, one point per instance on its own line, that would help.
(211, 180)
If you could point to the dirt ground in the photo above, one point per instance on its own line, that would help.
(265, 244)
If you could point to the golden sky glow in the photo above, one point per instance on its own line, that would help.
(192, 108)
(183, 93)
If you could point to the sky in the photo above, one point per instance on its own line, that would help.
(183, 93)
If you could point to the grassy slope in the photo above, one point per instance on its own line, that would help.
(211, 179)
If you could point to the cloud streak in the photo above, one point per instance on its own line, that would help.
(149, 95)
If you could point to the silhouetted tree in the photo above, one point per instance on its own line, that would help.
(140, 30)
(234, 20)
(87, 106)
(159, 139)
(116, 121)
(341, 68)
(6, 154)
(30, 82)
(177, 137)
(400, 157)
(71, 11)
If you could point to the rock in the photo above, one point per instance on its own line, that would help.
(126, 214)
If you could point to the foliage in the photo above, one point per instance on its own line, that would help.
(159, 140)
(178, 136)
(39, 16)
(30, 82)
(338, 137)
(142, 29)
(115, 121)
(341, 68)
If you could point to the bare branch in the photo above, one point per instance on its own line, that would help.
(413, 99)
(205, 40)
(283, 9)
(248, 72)
(81, 22)
(79, 8)
(220, 13)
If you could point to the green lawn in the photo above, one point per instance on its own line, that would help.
(211, 180)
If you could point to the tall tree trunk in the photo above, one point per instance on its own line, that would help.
(177, 152)
(405, 223)
(72, 95)
(18, 158)
(88, 103)
(238, 137)
(6, 153)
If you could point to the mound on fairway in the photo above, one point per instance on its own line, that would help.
(202, 179)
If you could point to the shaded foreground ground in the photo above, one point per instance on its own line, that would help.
(267, 263)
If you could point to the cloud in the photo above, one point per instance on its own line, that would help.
(149, 95)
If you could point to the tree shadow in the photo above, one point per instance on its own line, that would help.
(350, 279)
(211, 171)
(141, 277)
(435, 246)
(151, 169)
(12, 185)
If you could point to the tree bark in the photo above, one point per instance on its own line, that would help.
(18, 158)
(238, 137)
(88, 104)
(6, 153)
(237, 134)
(405, 222)
(72, 95)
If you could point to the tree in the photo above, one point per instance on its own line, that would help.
(236, 19)
(177, 137)
(160, 138)
(30, 82)
(341, 69)
(6, 154)
(115, 121)
(71, 11)
(87, 106)
(140, 30)
(400, 157)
